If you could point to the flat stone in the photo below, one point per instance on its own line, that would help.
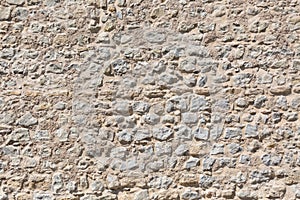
(189, 118)
(140, 107)
(208, 163)
(162, 148)
(142, 134)
(233, 133)
(20, 135)
(190, 195)
(201, 133)
(198, 103)
(192, 162)
(155, 37)
(125, 136)
(234, 148)
(160, 182)
(141, 195)
(27, 120)
(251, 131)
(42, 135)
(182, 132)
(188, 65)
(122, 108)
(181, 150)
(217, 149)
(280, 90)
(151, 118)
(162, 133)
(5, 13)
(205, 181)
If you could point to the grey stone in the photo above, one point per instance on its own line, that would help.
(177, 103)
(192, 162)
(190, 81)
(162, 148)
(245, 159)
(20, 135)
(246, 194)
(119, 152)
(201, 133)
(190, 195)
(112, 181)
(276, 117)
(120, 67)
(8, 53)
(141, 195)
(281, 102)
(142, 134)
(168, 119)
(198, 103)
(265, 79)
(234, 148)
(260, 101)
(206, 181)
(42, 135)
(189, 118)
(208, 163)
(296, 65)
(122, 107)
(251, 131)
(151, 118)
(27, 120)
(55, 68)
(57, 182)
(16, 2)
(168, 78)
(140, 107)
(5, 13)
(217, 149)
(20, 14)
(188, 65)
(162, 133)
(160, 182)
(241, 102)
(242, 79)
(155, 37)
(202, 80)
(182, 132)
(233, 133)
(125, 136)
(260, 176)
(221, 105)
(271, 160)
(181, 150)
(59, 106)
(62, 134)
(42, 196)
(155, 166)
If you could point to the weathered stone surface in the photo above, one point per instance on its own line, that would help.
(27, 120)
(5, 13)
(201, 133)
(162, 133)
(133, 99)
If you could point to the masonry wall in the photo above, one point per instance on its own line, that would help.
(149, 99)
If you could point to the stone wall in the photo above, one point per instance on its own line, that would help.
(149, 99)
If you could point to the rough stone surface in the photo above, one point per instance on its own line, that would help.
(149, 99)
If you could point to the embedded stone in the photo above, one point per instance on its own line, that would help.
(4, 13)
(27, 120)
(155, 37)
(162, 133)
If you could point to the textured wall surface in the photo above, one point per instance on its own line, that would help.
(149, 99)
